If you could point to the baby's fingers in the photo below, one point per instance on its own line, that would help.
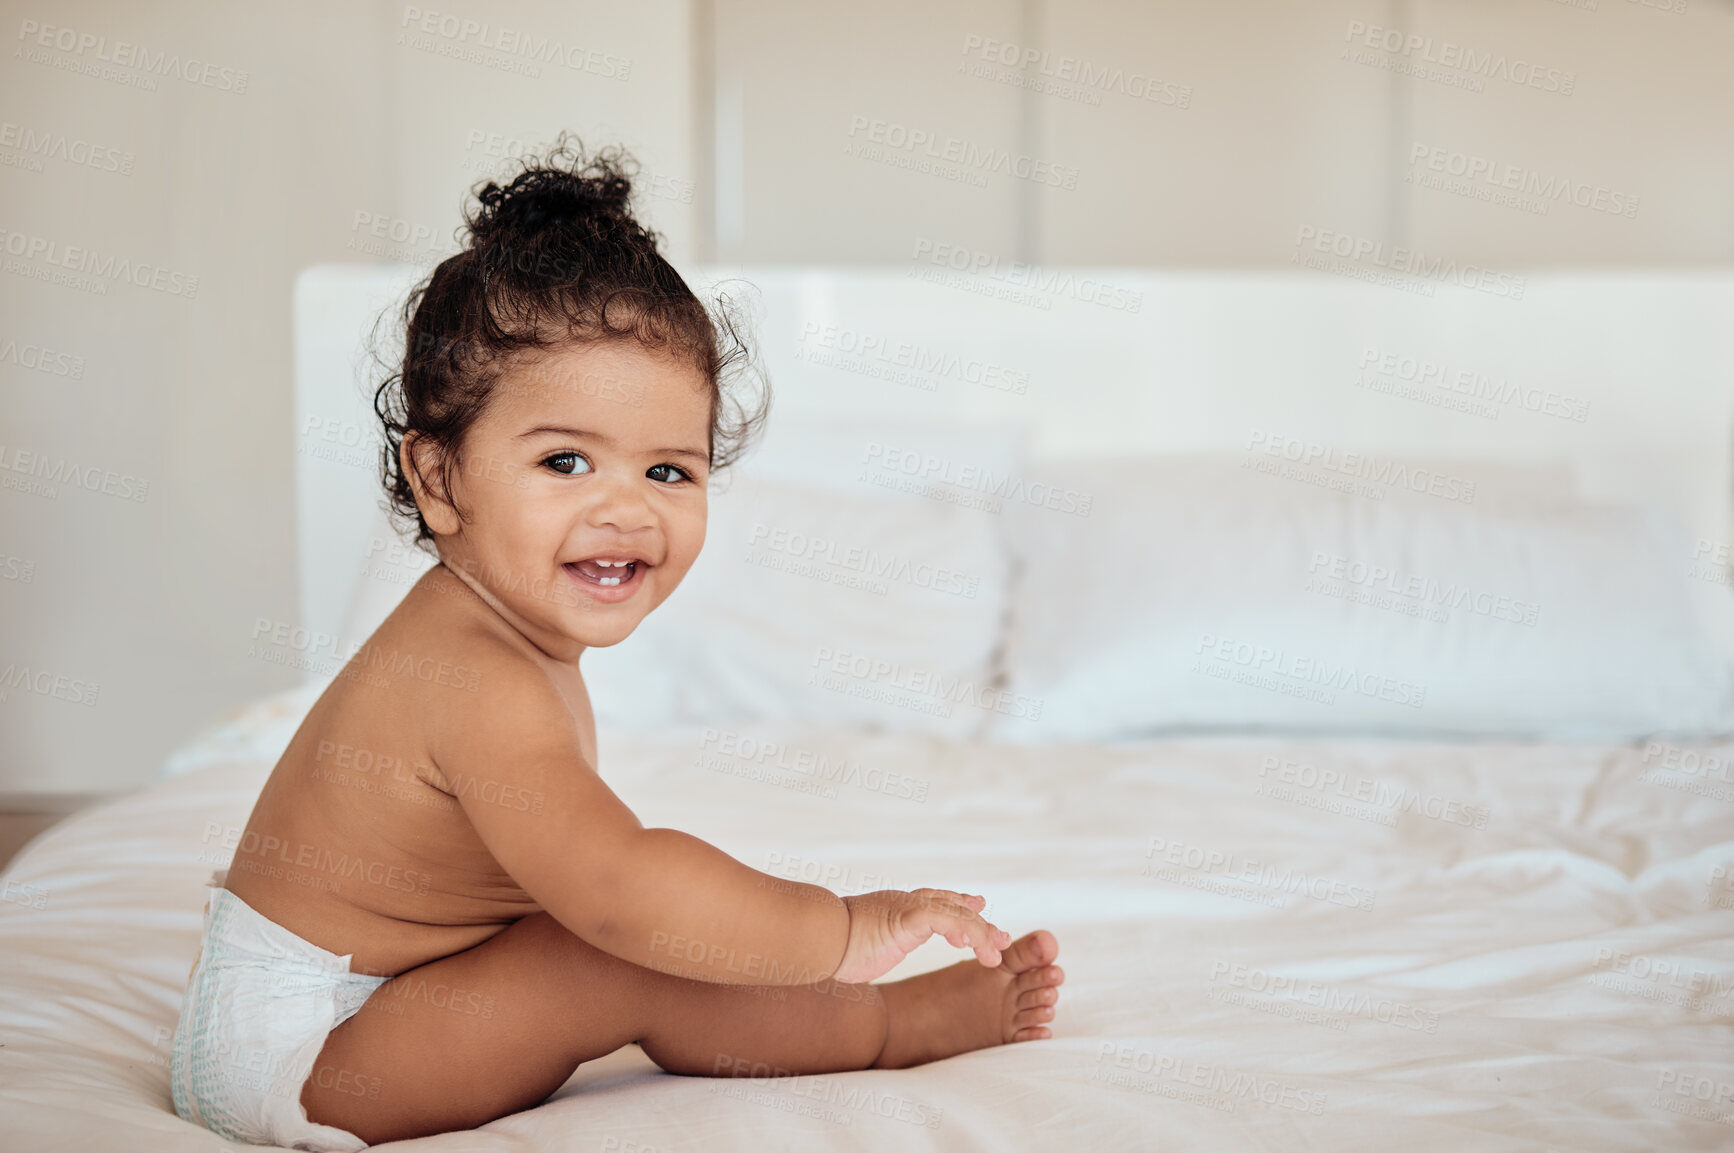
(998, 938)
(947, 899)
(957, 918)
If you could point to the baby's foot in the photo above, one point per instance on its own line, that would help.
(967, 1007)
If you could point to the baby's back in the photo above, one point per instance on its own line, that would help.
(358, 842)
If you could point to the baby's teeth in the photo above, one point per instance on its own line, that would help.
(608, 580)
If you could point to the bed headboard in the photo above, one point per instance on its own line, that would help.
(1626, 379)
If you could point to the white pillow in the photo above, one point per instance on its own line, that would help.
(1207, 595)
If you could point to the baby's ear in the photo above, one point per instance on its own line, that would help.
(423, 464)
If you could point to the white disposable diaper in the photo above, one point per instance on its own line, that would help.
(259, 1004)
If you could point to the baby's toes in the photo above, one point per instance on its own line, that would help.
(1032, 1017)
(1035, 998)
(1046, 977)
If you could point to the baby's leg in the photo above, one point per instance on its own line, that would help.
(552, 1002)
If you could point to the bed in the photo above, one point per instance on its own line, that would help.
(1480, 897)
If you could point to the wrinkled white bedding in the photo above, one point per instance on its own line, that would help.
(1256, 959)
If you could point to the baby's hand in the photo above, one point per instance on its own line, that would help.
(886, 926)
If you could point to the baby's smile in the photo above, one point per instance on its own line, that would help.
(618, 575)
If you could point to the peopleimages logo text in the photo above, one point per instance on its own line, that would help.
(122, 54)
(1408, 261)
(104, 266)
(1363, 466)
(1052, 282)
(515, 42)
(1449, 54)
(942, 470)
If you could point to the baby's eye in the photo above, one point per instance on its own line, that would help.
(680, 473)
(567, 463)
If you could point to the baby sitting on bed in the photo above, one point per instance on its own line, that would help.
(386, 963)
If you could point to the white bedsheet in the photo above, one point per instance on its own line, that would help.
(1562, 978)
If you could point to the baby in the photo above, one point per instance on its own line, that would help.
(438, 908)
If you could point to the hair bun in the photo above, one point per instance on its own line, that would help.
(561, 189)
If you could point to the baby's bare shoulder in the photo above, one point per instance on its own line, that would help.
(479, 666)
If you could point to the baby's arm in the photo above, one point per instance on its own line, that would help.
(659, 897)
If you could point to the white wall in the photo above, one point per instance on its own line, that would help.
(742, 110)
(1278, 131)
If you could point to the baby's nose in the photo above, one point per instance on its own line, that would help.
(620, 504)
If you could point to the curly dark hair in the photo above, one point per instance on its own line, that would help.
(551, 259)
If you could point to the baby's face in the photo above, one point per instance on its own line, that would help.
(584, 486)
